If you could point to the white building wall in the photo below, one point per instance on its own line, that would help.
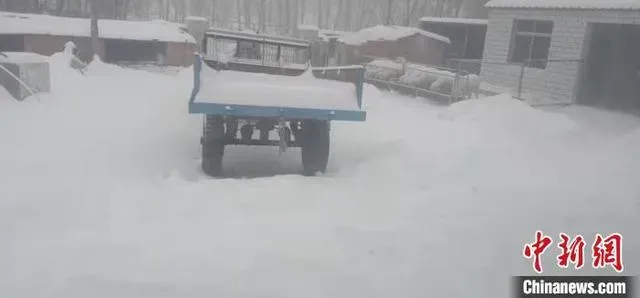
(557, 83)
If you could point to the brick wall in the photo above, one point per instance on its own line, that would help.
(569, 41)
(179, 54)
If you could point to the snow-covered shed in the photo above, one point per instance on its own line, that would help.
(466, 35)
(155, 42)
(414, 44)
(568, 51)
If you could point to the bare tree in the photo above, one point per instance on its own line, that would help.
(263, 15)
(320, 14)
(476, 9)
(303, 10)
(59, 7)
(239, 11)
(246, 11)
(20, 5)
(389, 12)
(336, 21)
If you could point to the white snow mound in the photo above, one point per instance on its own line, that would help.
(507, 113)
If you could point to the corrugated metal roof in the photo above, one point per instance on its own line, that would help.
(567, 4)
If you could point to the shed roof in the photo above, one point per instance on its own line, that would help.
(567, 4)
(382, 32)
(19, 23)
(461, 21)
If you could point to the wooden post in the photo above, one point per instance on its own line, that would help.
(520, 80)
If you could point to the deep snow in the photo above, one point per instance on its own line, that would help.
(101, 195)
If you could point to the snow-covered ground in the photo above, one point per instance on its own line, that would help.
(101, 195)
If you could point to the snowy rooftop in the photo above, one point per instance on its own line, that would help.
(566, 4)
(382, 32)
(455, 21)
(21, 58)
(16, 23)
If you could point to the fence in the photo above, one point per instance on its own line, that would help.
(533, 80)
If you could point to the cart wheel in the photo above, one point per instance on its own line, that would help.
(213, 141)
(315, 146)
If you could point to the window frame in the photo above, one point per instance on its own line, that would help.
(532, 35)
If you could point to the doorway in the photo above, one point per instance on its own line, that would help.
(611, 77)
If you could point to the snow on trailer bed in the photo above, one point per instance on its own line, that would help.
(257, 89)
(267, 95)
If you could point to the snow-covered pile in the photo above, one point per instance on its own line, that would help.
(101, 195)
(466, 84)
(423, 77)
(382, 69)
(503, 110)
(382, 32)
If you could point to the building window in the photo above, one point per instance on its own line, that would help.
(531, 43)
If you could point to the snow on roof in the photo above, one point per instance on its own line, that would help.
(22, 57)
(566, 4)
(382, 32)
(17, 23)
(455, 21)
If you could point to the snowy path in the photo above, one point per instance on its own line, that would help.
(101, 196)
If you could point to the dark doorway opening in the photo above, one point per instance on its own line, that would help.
(611, 75)
(120, 51)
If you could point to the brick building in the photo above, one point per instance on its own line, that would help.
(568, 51)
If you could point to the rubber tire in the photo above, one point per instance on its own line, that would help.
(315, 146)
(213, 141)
